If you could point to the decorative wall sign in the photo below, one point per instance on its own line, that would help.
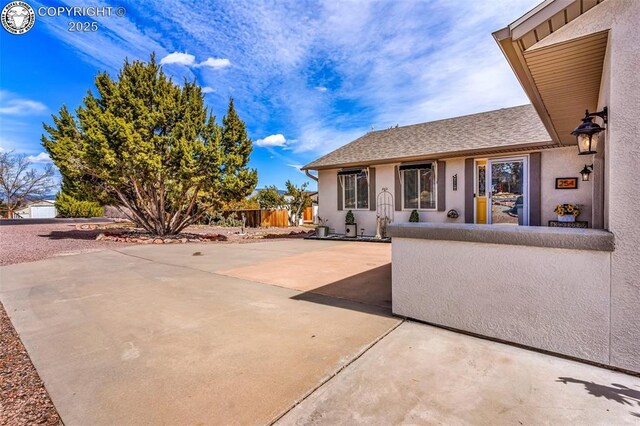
(567, 183)
(455, 182)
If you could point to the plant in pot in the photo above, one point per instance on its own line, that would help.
(322, 230)
(567, 212)
(351, 227)
(414, 216)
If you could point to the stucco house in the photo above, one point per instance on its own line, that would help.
(479, 165)
(574, 292)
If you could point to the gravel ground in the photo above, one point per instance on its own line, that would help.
(23, 398)
(28, 243)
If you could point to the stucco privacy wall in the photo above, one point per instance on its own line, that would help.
(561, 162)
(620, 91)
(548, 298)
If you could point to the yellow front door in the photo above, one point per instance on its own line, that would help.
(481, 192)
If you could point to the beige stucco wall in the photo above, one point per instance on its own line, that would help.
(563, 162)
(622, 195)
(552, 299)
(620, 92)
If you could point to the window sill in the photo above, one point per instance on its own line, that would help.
(534, 236)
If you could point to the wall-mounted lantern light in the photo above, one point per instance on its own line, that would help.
(586, 171)
(587, 132)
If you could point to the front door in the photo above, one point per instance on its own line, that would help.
(507, 191)
(481, 191)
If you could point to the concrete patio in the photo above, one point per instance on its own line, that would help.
(241, 333)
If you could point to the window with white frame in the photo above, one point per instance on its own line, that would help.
(419, 186)
(355, 189)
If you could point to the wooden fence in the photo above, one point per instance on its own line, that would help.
(308, 215)
(262, 218)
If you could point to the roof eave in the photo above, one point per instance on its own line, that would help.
(518, 65)
(518, 42)
(537, 16)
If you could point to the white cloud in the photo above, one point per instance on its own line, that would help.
(321, 89)
(273, 140)
(43, 157)
(215, 63)
(207, 89)
(189, 60)
(179, 58)
(10, 104)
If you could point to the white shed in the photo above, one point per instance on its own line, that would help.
(44, 209)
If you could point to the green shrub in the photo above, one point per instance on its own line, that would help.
(414, 217)
(350, 218)
(231, 221)
(67, 206)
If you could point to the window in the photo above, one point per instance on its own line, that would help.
(355, 187)
(419, 186)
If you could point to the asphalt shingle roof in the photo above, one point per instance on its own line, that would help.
(507, 127)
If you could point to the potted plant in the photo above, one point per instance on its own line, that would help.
(351, 227)
(322, 230)
(567, 212)
(414, 216)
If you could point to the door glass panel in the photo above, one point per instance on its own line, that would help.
(482, 184)
(507, 193)
(481, 193)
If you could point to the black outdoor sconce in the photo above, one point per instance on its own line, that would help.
(586, 171)
(587, 132)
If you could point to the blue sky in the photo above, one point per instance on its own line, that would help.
(307, 77)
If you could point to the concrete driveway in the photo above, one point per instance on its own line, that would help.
(297, 332)
(183, 334)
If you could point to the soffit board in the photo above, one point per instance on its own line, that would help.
(563, 79)
(567, 77)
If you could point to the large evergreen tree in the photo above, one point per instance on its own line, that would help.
(150, 147)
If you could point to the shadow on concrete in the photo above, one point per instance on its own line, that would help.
(343, 303)
(372, 287)
(616, 392)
